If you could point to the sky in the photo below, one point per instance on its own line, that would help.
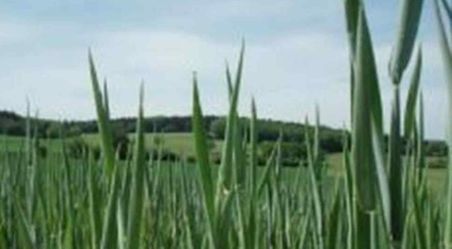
(296, 57)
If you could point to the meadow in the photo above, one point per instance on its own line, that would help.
(368, 196)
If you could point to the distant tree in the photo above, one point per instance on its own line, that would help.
(76, 146)
(217, 128)
(121, 140)
(74, 131)
(292, 154)
(331, 142)
(53, 130)
(11, 127)
(436, 148)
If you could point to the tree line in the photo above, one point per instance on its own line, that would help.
(292, 134)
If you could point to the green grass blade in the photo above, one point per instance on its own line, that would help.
(315, 189)
(395, 170)
(406, 38)
(239, 157)
(334, 219)
(253, 147)
(109, 230)
(202, 157)
(349, 193)
(265, 177)
(25, 228)
(137, 190)
(106, 101)
(226, 171)
(413, 92)
(447, 61)
(102, 120)
(418, 220)
(382, 175)
(352, 9)
(421, 160)
(121, 230)
(362, 157)
(94, 207)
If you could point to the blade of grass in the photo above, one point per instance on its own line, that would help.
(412, 96)
(202, 157)
(226, 170)
(406, 37)
(362, 157)
(447, 61)
(102, 120)
(137, 190)
(395, 171)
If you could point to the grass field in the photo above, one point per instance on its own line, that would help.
(182, 144)
(179, 143)
(17, 143)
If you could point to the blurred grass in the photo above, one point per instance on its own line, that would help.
(17, 143)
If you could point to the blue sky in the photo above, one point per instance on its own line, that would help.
(296, 56)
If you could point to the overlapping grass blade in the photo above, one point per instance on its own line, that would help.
(202, 157)
(410, 107)
(137, 190)
(226, 170)
(102, 120)
(315, 187)
(362, 154)
(406, 37)
(446, 53)
(395, 170)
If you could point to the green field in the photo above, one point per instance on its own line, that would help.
(179, 143)
(183, 144)
(17, 143)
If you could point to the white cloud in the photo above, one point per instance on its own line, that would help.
(288, 73)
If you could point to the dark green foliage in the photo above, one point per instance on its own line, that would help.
(269, 130)
(76, 147)
(330, 139)
(292, 154)
(121, 141)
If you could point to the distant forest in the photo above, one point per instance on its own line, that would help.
(331, 140)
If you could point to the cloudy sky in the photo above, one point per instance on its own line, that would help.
(296, 56)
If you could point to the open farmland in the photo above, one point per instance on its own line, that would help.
(178, 143)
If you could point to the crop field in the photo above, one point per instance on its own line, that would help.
(179, 143)
(380, 192)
